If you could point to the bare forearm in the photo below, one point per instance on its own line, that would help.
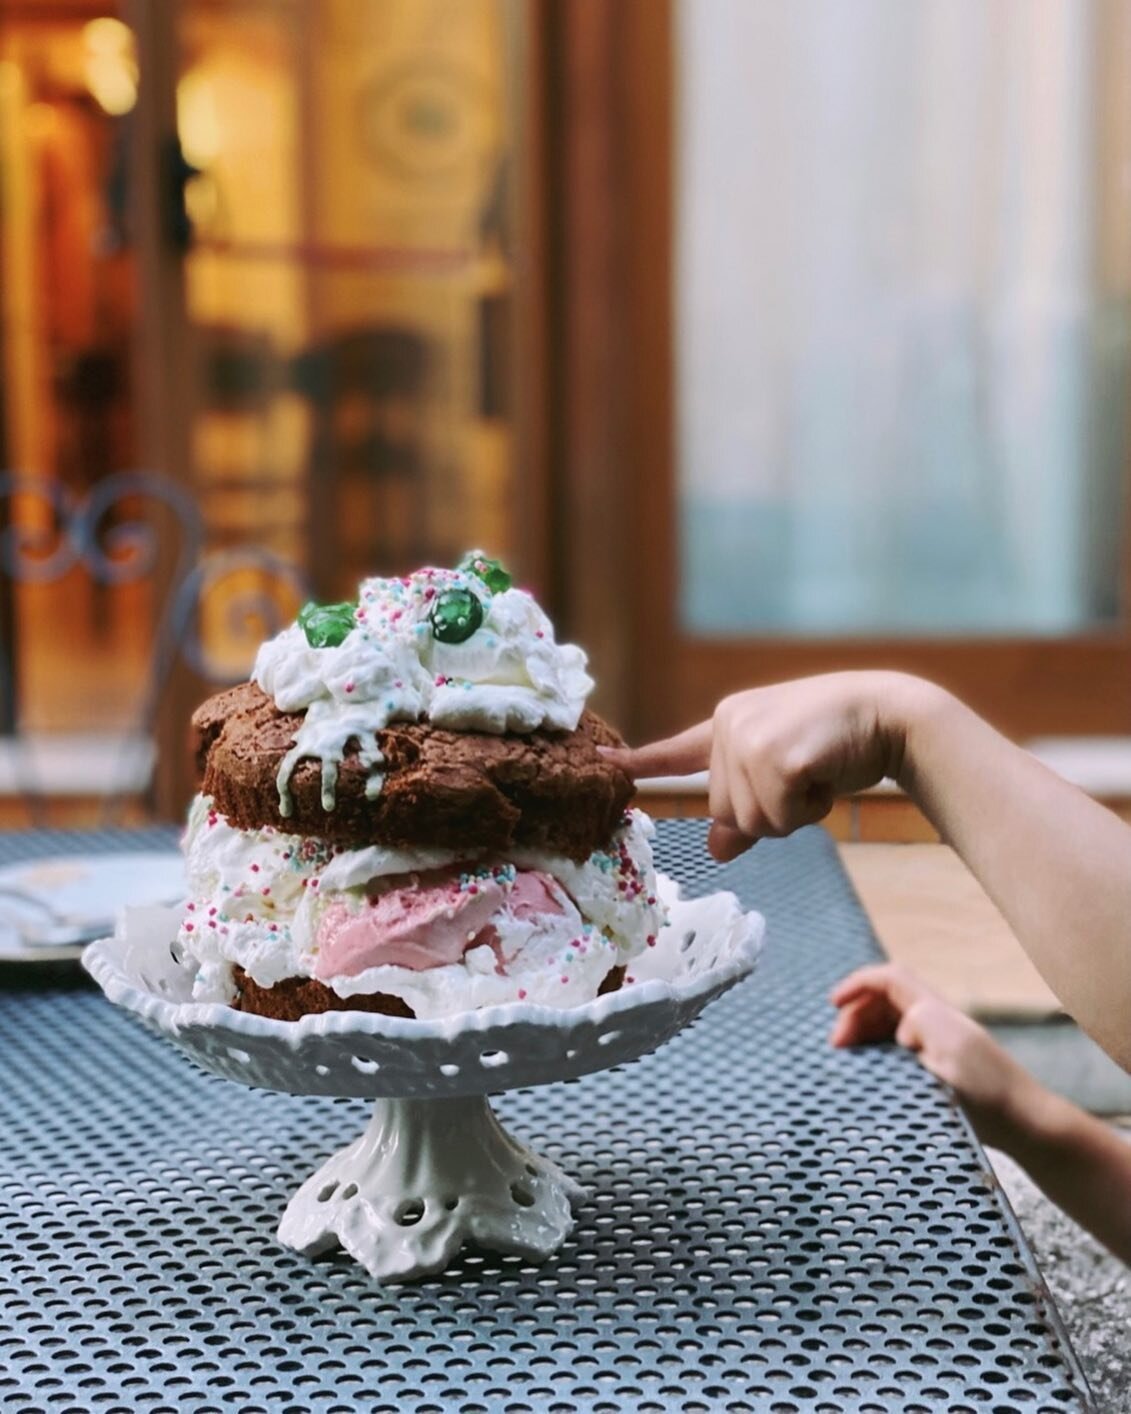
(1080, 1163)
(1056, 863)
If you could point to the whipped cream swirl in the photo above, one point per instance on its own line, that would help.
(508, 676)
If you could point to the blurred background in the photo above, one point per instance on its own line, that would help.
(758, 339)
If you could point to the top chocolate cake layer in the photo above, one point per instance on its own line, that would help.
(450, 790)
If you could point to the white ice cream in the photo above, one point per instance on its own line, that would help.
(257, 899)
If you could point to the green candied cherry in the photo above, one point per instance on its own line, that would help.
(455, 615)
(326, 625)
(490, 571)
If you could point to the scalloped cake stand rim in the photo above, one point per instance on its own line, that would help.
(101, 962)
(435, 1168)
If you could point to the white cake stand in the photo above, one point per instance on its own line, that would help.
(435, 1168)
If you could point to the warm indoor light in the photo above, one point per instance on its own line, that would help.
(110, 65)
(198, 123)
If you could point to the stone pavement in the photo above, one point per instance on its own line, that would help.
(1091, 1287)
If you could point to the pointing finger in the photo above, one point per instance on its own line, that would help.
(677, 755)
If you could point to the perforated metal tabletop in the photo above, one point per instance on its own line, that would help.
(771, 1225)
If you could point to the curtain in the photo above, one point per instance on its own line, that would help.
(903, 257)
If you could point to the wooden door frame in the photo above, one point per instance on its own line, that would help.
(609, 195)
(577, 391)
(163, 349)
(526, 67)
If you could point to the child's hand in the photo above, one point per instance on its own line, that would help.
(779, 756)
(885, 1002)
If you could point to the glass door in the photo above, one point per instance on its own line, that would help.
(69, 295)
(877, 308)
(265, 251)
(902, 343)
(349, 213)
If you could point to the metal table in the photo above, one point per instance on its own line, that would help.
(771, 1225)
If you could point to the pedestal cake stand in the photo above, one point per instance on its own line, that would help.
(435, 1168)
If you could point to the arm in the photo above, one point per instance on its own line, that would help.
(1057, 864)
(1081, 1164)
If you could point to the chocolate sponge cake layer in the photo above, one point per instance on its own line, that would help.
(445, 789)
(299, 996)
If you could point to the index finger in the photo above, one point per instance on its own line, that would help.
(678, 755)
(900, 987)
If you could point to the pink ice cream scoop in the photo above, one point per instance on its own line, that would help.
(425, 926)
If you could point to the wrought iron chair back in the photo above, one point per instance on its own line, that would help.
(117, 543)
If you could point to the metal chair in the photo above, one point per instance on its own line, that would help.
(248, 591)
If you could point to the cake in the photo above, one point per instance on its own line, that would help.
(406, 811)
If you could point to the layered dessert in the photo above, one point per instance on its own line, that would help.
(405, 810)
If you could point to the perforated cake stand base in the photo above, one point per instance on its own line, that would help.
(434, 1169)
(426, 1177)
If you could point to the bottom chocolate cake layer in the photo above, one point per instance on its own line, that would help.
(302, 996)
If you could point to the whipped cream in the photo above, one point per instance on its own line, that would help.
(508, 676)
(258, 899)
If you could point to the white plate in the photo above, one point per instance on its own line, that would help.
(85, 893)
